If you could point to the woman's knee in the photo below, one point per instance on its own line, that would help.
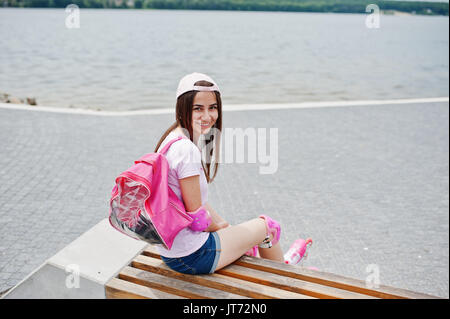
(250, 232)
(236, 240)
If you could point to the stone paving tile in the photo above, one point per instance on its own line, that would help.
(369, 184)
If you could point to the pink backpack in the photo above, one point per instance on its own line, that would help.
(142, 204)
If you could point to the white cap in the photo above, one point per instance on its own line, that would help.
(187, 83)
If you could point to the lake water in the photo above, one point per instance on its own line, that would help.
(133, 59)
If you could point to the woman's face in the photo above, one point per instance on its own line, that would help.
(204, 113)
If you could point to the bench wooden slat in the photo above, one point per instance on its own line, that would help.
(217, 281)
(247, 277)
(172, 285)
(121, 289)
(328, 279)
(151, 251)
(295, 285)
(290, 284)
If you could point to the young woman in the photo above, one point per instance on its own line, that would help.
(199, 115)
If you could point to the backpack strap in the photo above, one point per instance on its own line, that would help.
(166, 147)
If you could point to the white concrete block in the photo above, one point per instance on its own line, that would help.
(81, 269)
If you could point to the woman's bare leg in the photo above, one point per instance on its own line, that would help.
(236, 240)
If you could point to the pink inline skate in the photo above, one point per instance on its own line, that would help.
(297, 251)
(273, 228)
(253, 252)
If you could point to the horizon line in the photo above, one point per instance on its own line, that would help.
(225, 107)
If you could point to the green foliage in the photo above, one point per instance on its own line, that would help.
(341, 6)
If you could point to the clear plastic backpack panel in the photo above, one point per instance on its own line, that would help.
(128, 213)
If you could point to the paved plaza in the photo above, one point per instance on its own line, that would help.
(369, 185)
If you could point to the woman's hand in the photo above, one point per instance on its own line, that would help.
(216, 226)
(223, 225)
(217, 222)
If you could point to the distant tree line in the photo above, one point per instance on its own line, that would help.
(338, 6)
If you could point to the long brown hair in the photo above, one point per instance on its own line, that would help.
(183, 117)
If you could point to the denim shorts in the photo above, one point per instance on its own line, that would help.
(202, 261)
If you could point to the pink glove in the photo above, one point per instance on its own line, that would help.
(202, 219)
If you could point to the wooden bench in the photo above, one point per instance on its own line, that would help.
(249, 277)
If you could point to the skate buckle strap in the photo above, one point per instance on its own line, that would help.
(266, 243)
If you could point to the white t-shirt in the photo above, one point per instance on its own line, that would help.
(184, 159)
